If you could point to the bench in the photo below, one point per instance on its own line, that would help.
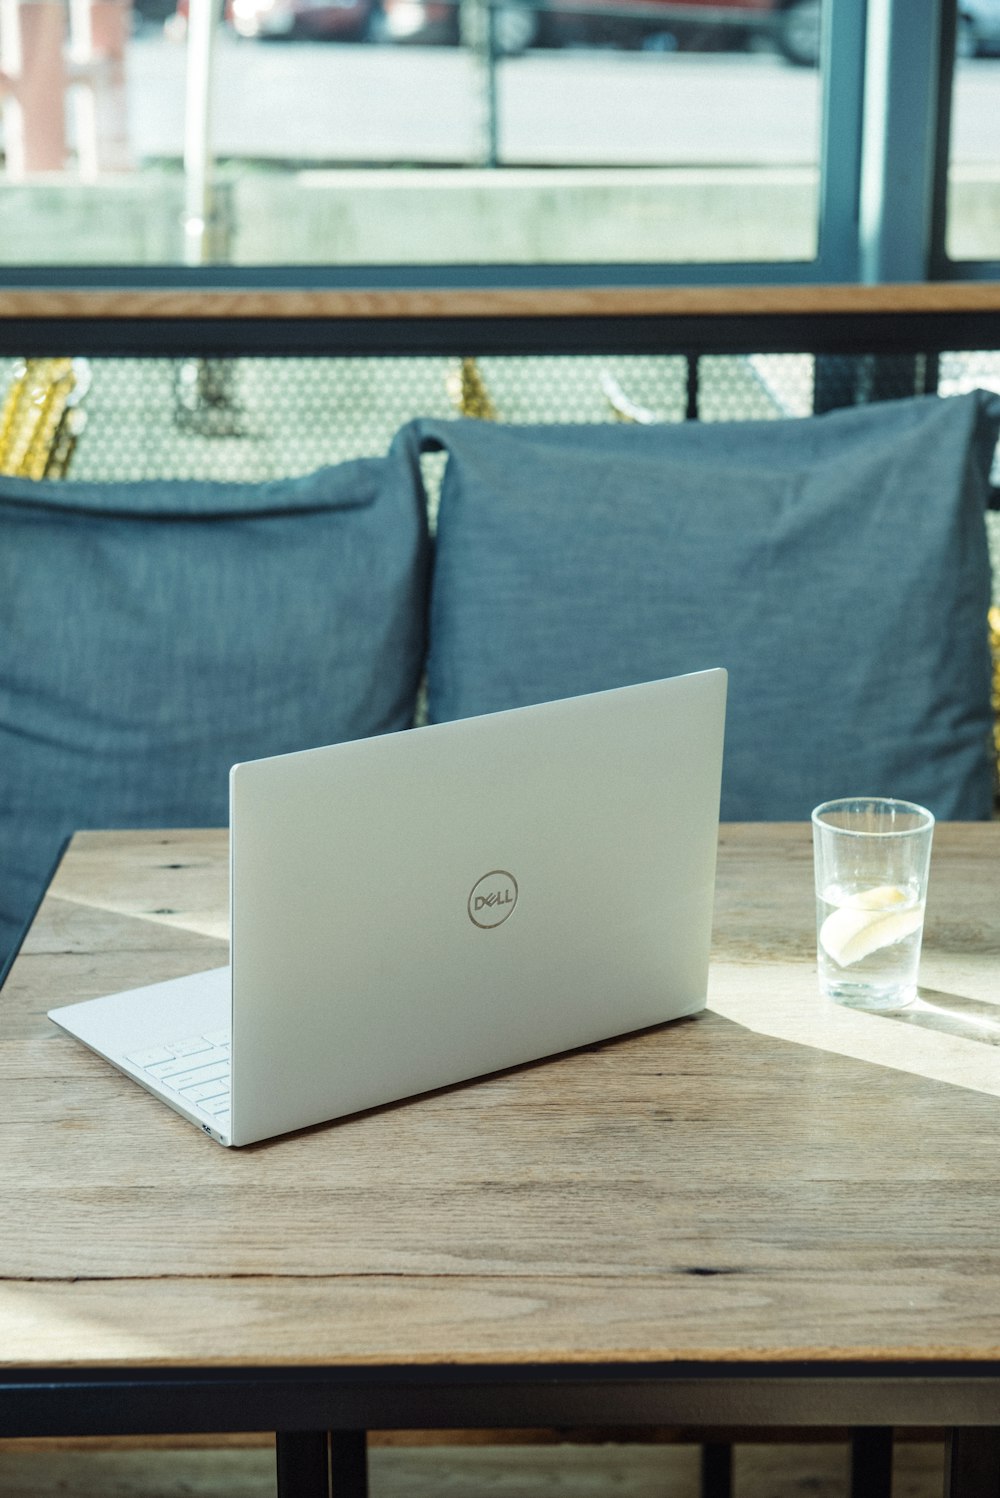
(266, 407)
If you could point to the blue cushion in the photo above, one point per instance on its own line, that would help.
(152, 634)
(837, 565)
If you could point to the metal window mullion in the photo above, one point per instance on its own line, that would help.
(843, 60)
(900, 139)
(940, 265)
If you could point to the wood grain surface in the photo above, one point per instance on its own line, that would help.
(612, 1471)
(118, 304)
(775, 1179)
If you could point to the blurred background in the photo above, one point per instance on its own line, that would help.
(411, 132)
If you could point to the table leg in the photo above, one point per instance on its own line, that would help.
(349, 1464)
(871, 1462)
(972, 1463)
(303, 1461)
(716, 1469)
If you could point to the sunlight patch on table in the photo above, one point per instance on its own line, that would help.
(201, 922)
(36, 1326)
(174, 877)
(946, 1037)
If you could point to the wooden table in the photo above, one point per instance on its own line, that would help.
(779, 1213)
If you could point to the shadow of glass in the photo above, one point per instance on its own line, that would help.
(951, 1014)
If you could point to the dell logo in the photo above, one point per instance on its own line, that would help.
(492, 899)
(496, 898)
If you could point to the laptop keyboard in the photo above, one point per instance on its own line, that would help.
(196, 1069)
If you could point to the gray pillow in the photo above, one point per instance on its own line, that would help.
(837, 565)
(152, 634)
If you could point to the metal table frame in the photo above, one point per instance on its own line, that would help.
(321, 1415)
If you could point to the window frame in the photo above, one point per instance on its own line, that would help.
(884, 154)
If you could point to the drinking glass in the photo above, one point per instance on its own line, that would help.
(871, 857)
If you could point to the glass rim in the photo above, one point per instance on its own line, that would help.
(924, 824)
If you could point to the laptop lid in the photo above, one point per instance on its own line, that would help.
(418, 909)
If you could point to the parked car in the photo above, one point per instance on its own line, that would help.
(792, 25)
(333, 20)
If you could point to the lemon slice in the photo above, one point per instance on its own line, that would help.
(882, 897)
(862, 926)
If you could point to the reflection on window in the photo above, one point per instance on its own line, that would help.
(973, 231)
(411, 131)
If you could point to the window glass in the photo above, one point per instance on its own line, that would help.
(360, 132)
(974, 169)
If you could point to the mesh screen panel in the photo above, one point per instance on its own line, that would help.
(257, 418)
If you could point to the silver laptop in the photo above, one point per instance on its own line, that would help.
(418, 909)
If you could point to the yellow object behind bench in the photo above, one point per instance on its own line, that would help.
(40, 420)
